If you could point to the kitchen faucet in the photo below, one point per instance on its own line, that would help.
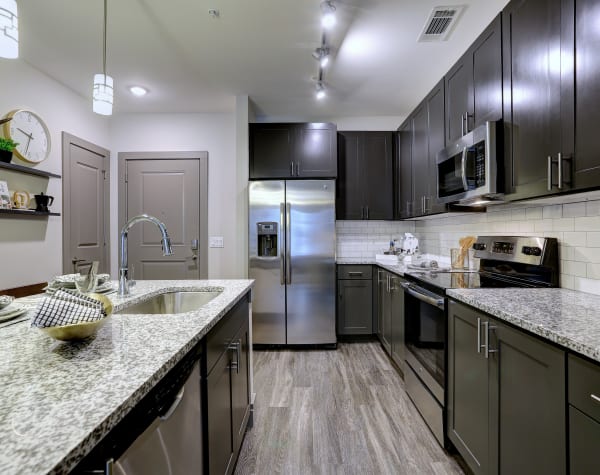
(124, 266)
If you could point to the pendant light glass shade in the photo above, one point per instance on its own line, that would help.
(9, 29)
(103, 94)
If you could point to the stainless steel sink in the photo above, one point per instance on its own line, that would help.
(172, 302)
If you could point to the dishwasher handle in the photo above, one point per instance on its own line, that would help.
(174, 406)
(424, 295)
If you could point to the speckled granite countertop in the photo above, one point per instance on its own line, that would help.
(60, 399)
(566, 317)
(399, 269)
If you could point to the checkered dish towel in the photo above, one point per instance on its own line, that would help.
(67, 307)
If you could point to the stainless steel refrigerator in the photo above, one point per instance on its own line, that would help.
(292, 258)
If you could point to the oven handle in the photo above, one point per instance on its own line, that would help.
(463, 169)
(423, 295)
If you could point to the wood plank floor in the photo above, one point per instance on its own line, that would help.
(336, 412)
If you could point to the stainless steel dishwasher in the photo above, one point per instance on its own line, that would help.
(172, 444)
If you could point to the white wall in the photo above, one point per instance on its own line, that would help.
(344, 123)
(214, 133)
(31, 249)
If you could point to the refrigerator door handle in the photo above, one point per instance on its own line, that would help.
(288, 242)
(281, 244)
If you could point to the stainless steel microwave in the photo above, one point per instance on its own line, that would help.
(468, 170)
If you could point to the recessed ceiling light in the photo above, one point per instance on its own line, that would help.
(138, 91)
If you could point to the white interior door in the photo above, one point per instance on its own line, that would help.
(174, 191)
(85, 205)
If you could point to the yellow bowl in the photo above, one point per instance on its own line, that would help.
(80, 331)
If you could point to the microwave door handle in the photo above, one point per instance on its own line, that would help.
(463, 169)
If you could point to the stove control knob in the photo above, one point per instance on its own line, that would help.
(531, 251)
(479, 246)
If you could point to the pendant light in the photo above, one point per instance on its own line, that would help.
(103, 84)
(9, 29)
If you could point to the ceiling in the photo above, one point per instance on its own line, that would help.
(191, 62)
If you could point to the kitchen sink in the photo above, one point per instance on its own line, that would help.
(172, 302)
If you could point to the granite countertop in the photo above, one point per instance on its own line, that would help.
(399, 268)
(566, 317)
(60, 399)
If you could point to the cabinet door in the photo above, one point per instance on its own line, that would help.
(467, 415)
(315, 151)
(486, 54)
(405, 205)
(537, 115)
(350, 199)
(436, 142)
(354, 307)
(420, 158)
(584, 436)
(527, 403)
(219, 440)
(240, 386)
(459, 86)
(397, 321)
(587, 112)
(386, 316)
(377, 175)
(271, 150)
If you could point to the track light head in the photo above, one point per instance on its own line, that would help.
(321, 54)
(320, 88)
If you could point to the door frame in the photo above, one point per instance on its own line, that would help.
(202, 157)
(68, 139)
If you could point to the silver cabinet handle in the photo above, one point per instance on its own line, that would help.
(595, 398)
(297, 168)
(281, 244)
(292, 168)
(355, 273)
(462, 124)
(288, 242)
(549, 172)
(236, 347)
(367, 208)
(487, 327)
(109, 467)
(559, 171)
(174, 406)
(478, 335)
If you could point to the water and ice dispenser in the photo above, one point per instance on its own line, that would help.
(267, 239)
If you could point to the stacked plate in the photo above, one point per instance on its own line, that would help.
(11, 311)
(67, 281)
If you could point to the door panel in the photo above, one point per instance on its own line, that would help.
(271, 150)
(405, 194)
(377, 171)
(436, 142)
(240, 395)
(458, 101)
(168, 190)
(420, 159)
(85, 201)
(268, 307)
(316, 150)
(311, 287)
(350, 192)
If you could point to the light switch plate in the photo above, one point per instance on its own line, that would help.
(215, 241)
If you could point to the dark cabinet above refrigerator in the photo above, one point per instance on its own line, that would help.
(293, 150)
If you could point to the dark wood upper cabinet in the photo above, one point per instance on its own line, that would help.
(538, 96)
(420, 159)
(293, 150)
(474, 84)
(365, 180)
(404, 192)
(586, 164)
(436, 142)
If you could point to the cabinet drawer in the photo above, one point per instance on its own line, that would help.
(354, 272)
(219, 338)
(584, 386)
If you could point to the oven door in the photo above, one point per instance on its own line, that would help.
(425, 335)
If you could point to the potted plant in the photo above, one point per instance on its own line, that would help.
(6, 149)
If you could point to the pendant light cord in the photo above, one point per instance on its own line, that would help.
(104, 45)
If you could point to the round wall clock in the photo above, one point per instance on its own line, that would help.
(30, 132)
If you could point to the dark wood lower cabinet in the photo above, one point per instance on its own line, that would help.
(584, 438)
(506, 402)
(397, 321)
(355, 307)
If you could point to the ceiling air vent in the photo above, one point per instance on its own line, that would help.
(440, 23)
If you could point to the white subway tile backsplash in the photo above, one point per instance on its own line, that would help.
(553, 211)
(573, 210)
(577, 238)
(593, 239)
(588, 223)
(534, 213)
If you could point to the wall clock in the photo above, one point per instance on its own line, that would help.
(30, 132)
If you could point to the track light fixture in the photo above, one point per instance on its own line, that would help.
(321, 54)
(320, 87)
(327, 14)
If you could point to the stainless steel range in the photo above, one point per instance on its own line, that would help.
(506, 261)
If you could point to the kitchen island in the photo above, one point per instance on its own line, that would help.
(60, 399)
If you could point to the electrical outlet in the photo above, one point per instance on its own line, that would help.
(215, 241)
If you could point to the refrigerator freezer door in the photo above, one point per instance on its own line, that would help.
(311, 263)
(267, 205)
